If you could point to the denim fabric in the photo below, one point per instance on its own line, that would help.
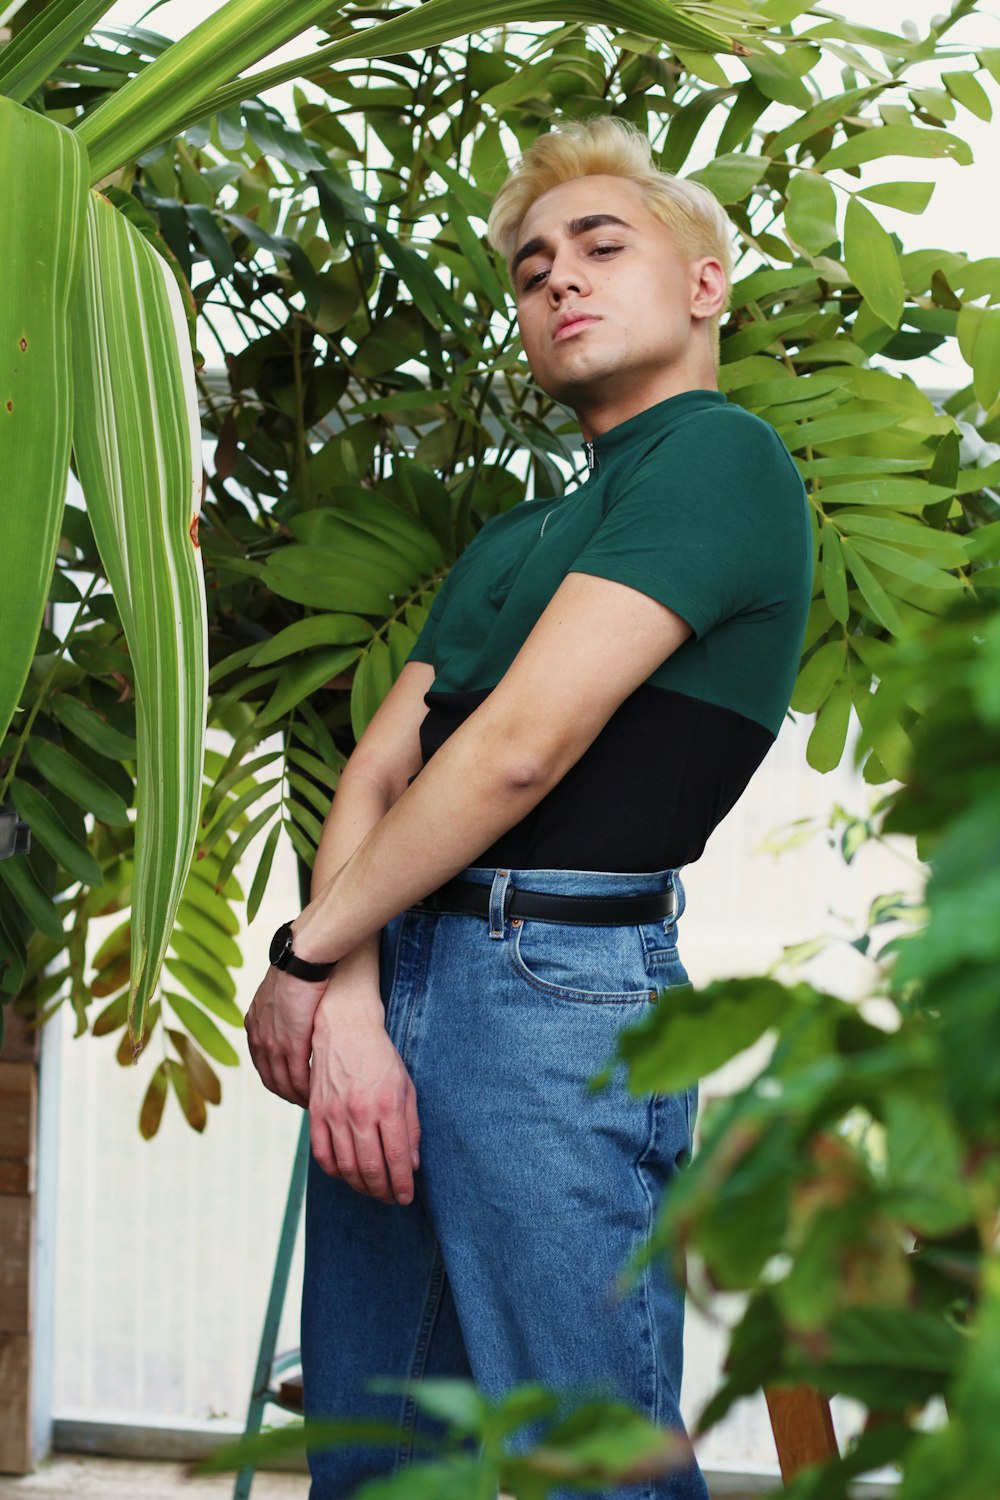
(532, 1192)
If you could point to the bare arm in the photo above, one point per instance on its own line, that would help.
(594, 644)
(341, 1021)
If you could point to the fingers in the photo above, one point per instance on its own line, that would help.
(397, 1157)
(321, 1142)
(377, 1156)
(412, 1124)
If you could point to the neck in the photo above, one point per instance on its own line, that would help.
(609, 408)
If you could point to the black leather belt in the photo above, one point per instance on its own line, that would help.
(467, 896)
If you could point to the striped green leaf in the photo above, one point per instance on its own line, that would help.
(225, 38)
(137, 440)
(50, 35)
(41, 240)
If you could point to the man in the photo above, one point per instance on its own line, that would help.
(597, 680)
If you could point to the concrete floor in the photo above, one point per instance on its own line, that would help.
(70, 1476)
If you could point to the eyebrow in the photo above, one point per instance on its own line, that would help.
(574, 229)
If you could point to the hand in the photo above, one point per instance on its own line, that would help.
(363, 1122)
(279, 1027)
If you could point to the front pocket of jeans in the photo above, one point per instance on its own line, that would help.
(596, 965)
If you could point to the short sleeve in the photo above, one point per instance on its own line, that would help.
(423, 650)
(713, 524)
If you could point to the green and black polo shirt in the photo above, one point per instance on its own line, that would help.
(697, 503)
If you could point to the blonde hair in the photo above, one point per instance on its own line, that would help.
(614, 148)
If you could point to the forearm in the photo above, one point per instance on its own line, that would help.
(359, 804)
(462, 801)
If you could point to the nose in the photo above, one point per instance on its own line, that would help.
(566, 275)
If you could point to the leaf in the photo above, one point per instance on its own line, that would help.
(314, 795)
(29, 58)
(201, 1075)
(731, 177)
(235, 774)
(328, 775)
(191, 1102)
(19, 878)
(243, 841)
(966, 88)
(137, 442)
(952, 549)
(151, 1112)
(92, 728)
(986, 359)
(895, 494)
(200, 986)
(327, 590)
(314, 630)
(699, 1030)
(195, 954)
(203, 1029)
(262, 873)
(41, 242)
(51, 832)
(479, 263)
(744, 112)
(834, 573)
(128, 1052)
(872, 263)
(895, 140)
(115, 945)
(904, 564)
(61, 770)
(233, 813)
(111, 1017)
(432, 23)
(829, 733)
(304, 678)
(908, 197)
(372, 681)
(879, 604)
(817, 678)
(195, 919)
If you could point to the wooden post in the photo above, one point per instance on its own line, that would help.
(18, 1133)
(802, 1427)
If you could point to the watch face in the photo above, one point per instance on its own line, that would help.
(280, 943)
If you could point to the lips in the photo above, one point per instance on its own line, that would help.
(571, 323)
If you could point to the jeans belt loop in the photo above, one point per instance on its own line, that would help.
(500, 894)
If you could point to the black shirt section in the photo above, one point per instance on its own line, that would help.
(645, 795)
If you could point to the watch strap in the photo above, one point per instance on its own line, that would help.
(288, 960)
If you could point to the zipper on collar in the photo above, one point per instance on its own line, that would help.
(588, 449)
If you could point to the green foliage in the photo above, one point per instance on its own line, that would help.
(525, 1443)
(369, 423)
(851, 1189)
(375, 410)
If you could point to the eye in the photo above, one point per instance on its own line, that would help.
(606, 249)
(533, 280)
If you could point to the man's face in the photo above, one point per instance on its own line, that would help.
(603, 293)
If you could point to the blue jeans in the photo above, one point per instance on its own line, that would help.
(532, 1193)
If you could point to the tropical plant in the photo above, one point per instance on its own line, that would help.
(373, 412)
(80, 277)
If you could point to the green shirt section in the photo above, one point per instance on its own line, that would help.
(696, 503)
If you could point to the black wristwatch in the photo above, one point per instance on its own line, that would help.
(282, 957)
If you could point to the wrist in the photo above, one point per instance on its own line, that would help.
(358, 1009)
(285, 953)
(311, 942)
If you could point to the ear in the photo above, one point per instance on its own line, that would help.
(709, 293)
